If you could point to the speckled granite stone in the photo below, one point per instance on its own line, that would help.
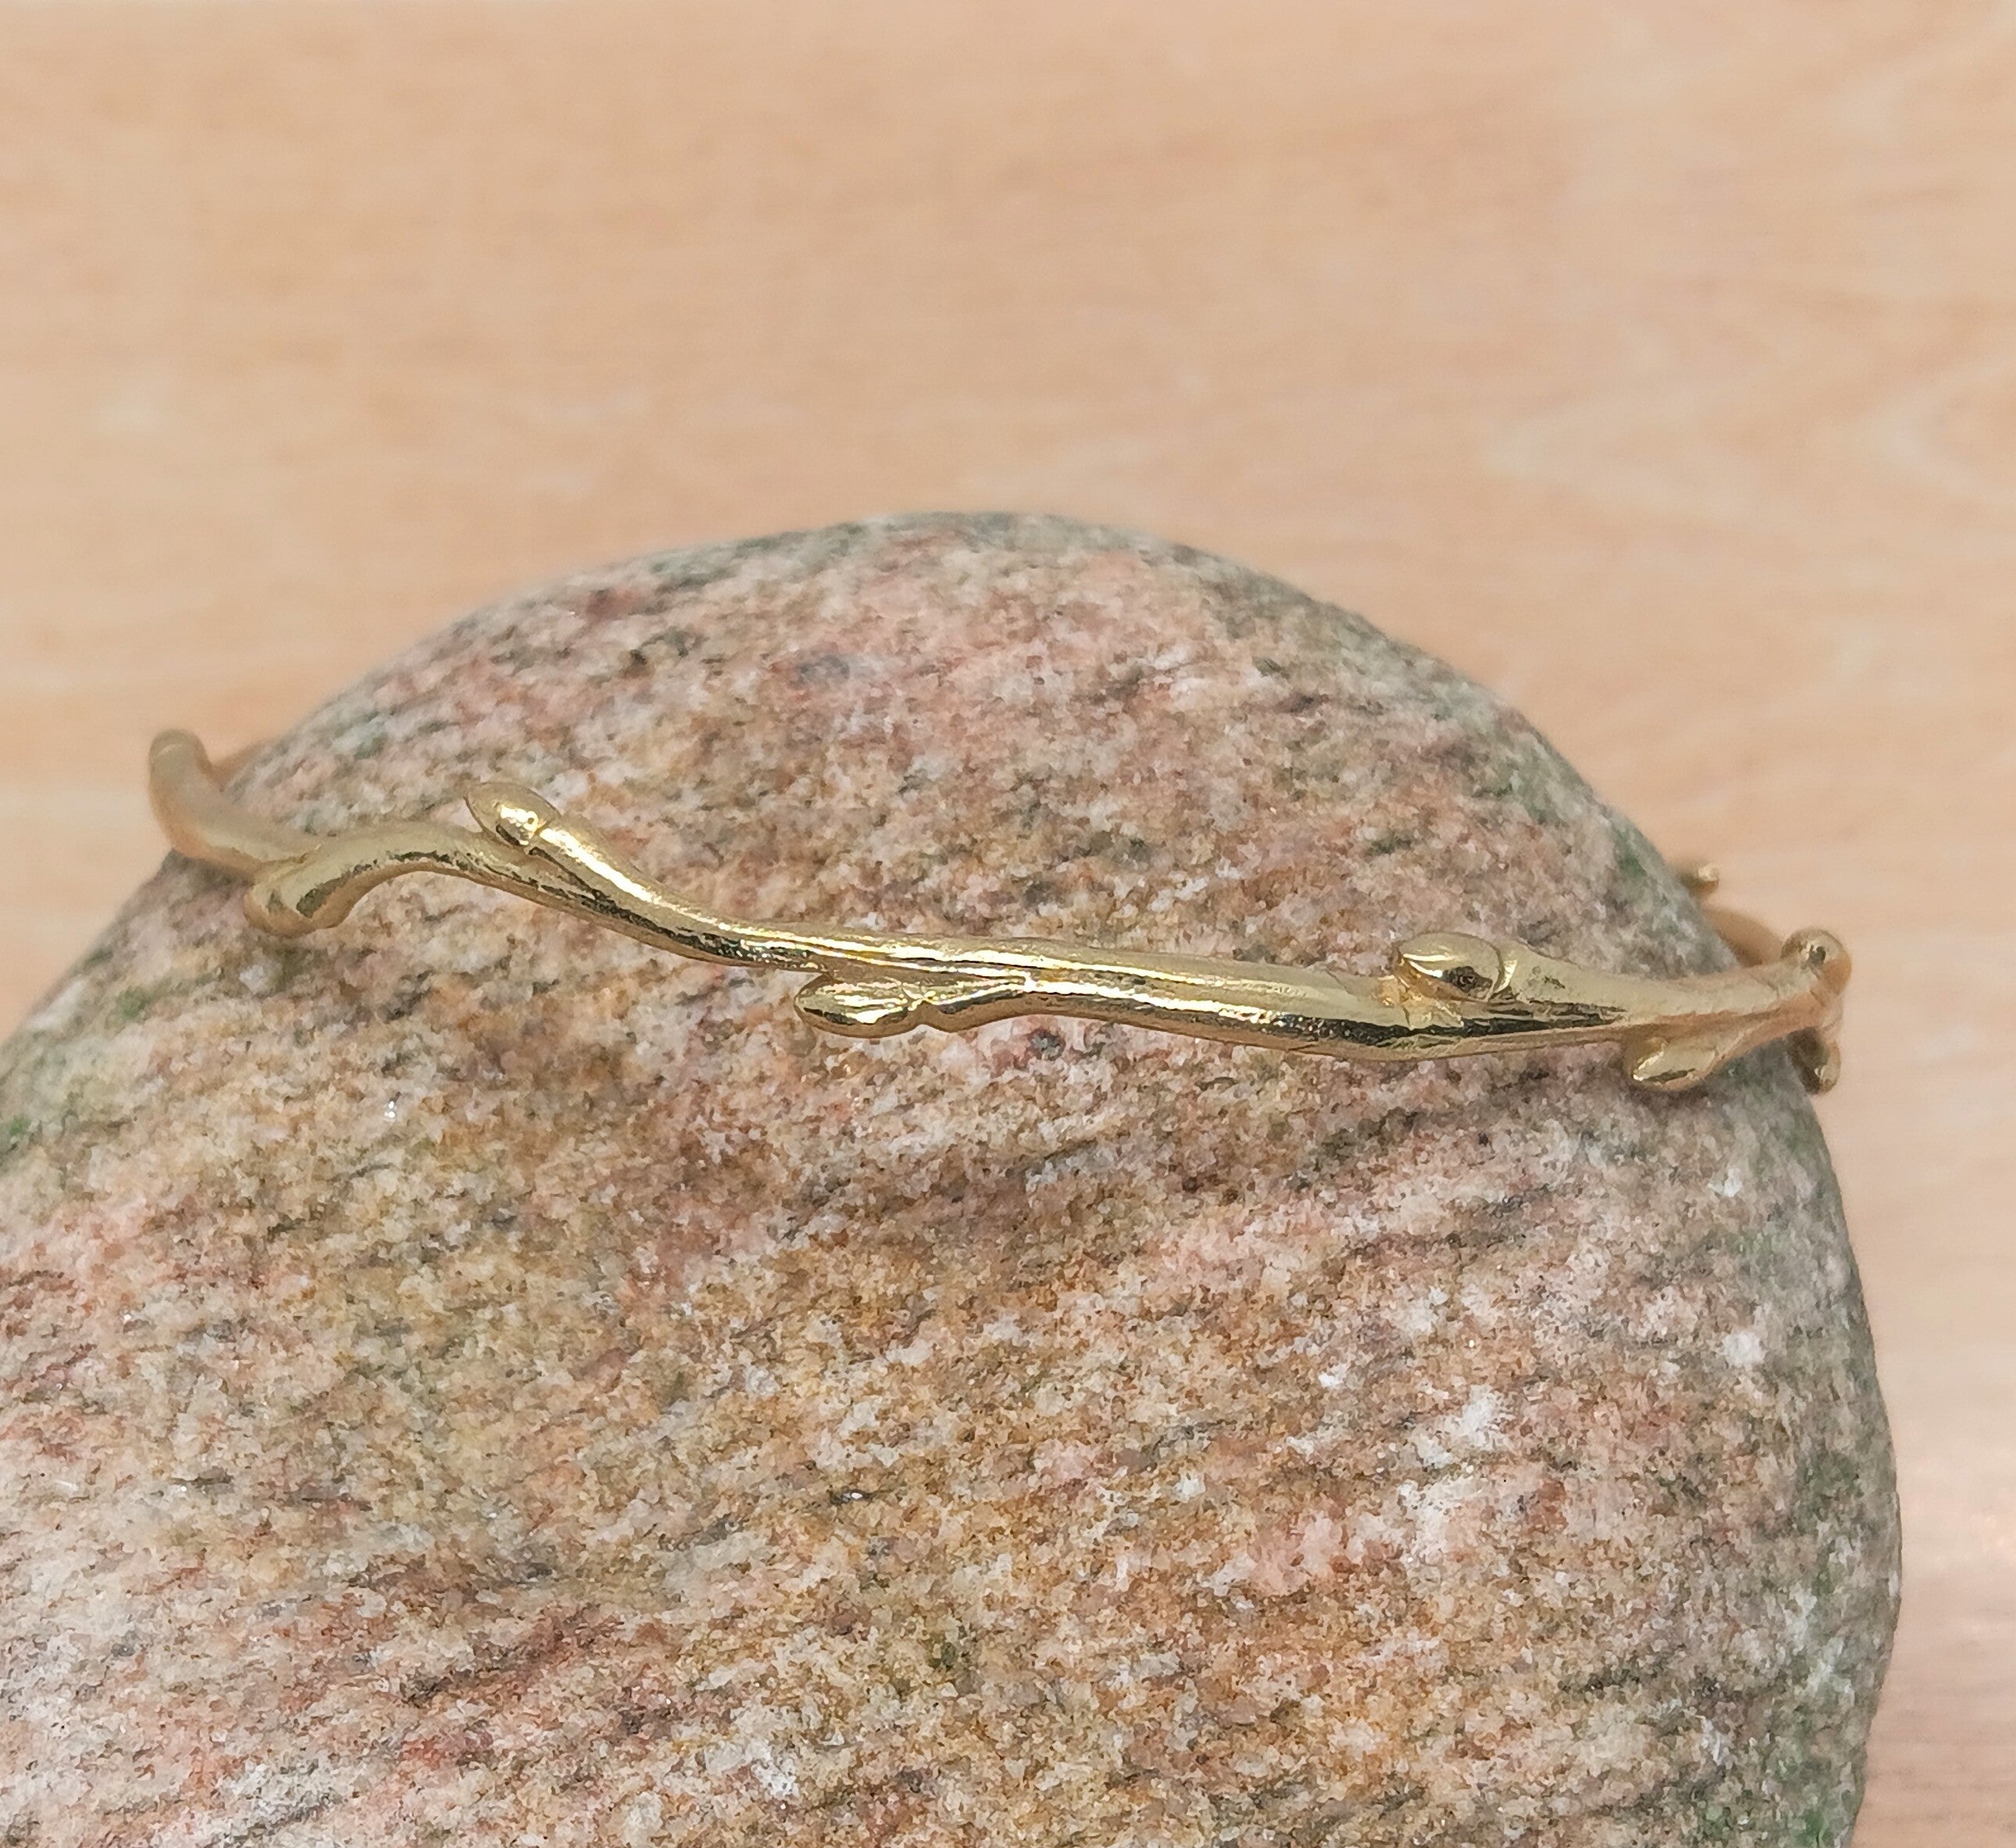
(469, 1378)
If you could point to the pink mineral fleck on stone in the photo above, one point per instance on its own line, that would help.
(467, 1377)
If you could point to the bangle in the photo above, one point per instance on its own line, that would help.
(1443, 995)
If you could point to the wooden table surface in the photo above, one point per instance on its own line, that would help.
(1656, 365)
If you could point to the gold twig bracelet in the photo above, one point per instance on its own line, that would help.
(1442, 996)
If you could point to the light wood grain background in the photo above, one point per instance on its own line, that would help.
(1657, 365)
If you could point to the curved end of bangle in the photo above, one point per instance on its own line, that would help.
(1815, 1050)
(203, 823)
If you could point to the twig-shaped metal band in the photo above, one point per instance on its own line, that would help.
(1440, 995)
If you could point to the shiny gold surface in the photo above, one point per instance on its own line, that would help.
(1441, 996)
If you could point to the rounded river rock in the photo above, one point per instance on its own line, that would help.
(467, 1377)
